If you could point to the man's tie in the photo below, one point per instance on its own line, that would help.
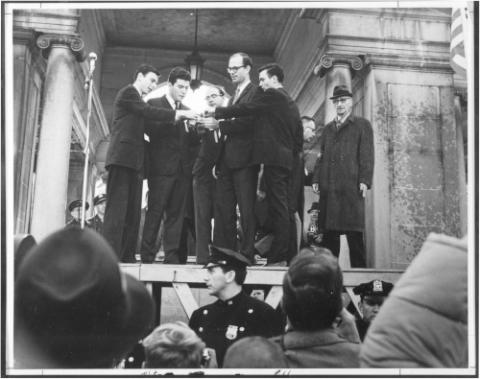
(177, 104)
(237, 93)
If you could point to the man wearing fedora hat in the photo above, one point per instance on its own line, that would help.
(235, 314)
(74, 307)
(342, 176)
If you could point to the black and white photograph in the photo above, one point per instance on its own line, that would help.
(214, 189)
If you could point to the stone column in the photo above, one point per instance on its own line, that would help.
(56, 127)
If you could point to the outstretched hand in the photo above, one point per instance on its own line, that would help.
(186, 114)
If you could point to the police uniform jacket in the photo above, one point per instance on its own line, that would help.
(223, 322)
(96, 224)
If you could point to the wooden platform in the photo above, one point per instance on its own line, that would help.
(183, 277)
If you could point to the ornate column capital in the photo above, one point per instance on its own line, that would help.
(327, 61)
(46, 41)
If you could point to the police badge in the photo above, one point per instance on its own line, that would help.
(231, 333)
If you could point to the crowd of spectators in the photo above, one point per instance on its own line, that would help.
(75, 308)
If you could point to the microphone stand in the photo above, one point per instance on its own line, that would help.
(88, 86)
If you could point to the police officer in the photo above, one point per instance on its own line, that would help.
(75, 209)
(372, 296)
(96, 222)
(235, 314)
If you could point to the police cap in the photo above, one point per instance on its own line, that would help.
(99, 199)
(220, 256)
(77, 203)
(374, 288)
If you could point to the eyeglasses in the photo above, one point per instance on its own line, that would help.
(340, 100)
(234, 68)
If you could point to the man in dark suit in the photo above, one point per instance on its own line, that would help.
(342, 176)
(171, 153)
(204, 182)
(236, 172)
(276, 142)
(125, 160)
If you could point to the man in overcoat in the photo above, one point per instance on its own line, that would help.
(342, 176)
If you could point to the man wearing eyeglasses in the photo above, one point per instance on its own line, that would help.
(236, 172)
(372, 295)
(342, 176)
(204, 183)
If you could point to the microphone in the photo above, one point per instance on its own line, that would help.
(92, 57)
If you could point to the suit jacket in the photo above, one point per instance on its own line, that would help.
(126, 146)
(236, 151)
(276, 135)
(171, 149)
(207, 155)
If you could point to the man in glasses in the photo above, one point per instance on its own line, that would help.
(342, 176)
(372, 296)
(236, 172)
(203, 180)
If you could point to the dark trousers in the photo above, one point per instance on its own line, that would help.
(167, 198)
(276, 189)
(203, 198)
(235, 186)
(295, 204)
(122, 212)
(331, 240)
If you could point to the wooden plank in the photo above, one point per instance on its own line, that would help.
(195, 274)
(274, 296)
(186, 298)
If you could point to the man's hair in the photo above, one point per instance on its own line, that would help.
(221, 90)
(179, 73)
(246, 60)
(254, 352)
(312, 290)
(273, 69)
(144, 69)
(173, 345)
(240, 272)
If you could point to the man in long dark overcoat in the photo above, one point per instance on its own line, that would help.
(342, 176)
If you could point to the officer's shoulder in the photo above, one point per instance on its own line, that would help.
(259, 305)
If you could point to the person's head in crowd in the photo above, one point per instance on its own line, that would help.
(173, 345)
(226, 272)
(99, 203)
(239, 67)
(372, 295)
(75, 306)
(308, 124)
(254, 352)
(312, 290)
(215, 96)
(178, 83)
(270, 76)
(145, 79)
(75, 208)
(342, 100)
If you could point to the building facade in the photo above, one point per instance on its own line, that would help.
(395, 60)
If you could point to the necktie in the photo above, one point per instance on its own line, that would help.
(177, 104)
(237, 93)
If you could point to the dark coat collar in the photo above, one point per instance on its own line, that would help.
(298, 339)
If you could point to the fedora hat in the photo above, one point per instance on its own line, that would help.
(76, 305)
(341, 90)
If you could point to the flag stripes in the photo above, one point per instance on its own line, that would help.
(457, 45)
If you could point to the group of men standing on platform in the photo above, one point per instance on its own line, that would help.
(201, 167)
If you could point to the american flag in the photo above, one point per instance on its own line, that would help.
(457, 42)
